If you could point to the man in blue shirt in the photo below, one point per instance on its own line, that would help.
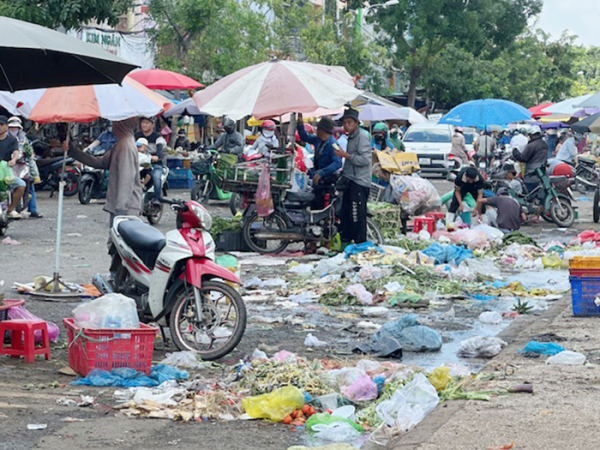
(325, 160)
(104, 142)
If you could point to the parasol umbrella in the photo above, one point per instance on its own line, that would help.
(164, 79)
(483, 113)
(186, 106)
(590, 124)
(538, 111)
(592, 102)
(33, 57)
(373, 112)
(568, 106)
(84, 104)
(276, 87)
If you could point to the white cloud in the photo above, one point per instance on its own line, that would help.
(581, 17)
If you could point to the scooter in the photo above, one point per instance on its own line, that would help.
(93, 184)
(51, 173)
(175, 281)
(587, 175)
(206, 186)
(5, 200)
(151, 210)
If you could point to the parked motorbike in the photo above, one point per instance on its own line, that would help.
(587, 175)
(175, 281)
(51, 172)
(294, 221)
(206, 186)
(5, 200)
(93, 184)
(151, 210)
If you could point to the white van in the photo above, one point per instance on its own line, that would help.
(432, 143)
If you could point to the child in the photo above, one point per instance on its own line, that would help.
(145, 161)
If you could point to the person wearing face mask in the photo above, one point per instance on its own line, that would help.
(267, 139)
(9, 152)
(396, 138)
(25, 168)
(103, 143)
(230, 141)
(380, 140)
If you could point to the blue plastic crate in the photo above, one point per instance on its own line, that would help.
(181, 184)
(180, 174)
(174, 163)
(584, 291)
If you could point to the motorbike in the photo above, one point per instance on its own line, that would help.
(93, 184)
(294, 221)
(587, 175)
(206, 179)
(151, 210)
(51, 173)
(175, 282)
(5, 200)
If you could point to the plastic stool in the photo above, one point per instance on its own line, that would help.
(424, 222)
(436, 216)
(22, 333)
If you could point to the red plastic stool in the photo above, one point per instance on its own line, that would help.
(436, 216)
(424, 222)
(22, 334)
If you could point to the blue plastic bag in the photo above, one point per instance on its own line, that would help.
(448, 253)
(353, 249)
(543, 348)
(164, 372)
(126, 377)
(412, 336)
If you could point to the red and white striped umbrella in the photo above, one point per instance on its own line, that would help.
(273, 88)
(87, 103)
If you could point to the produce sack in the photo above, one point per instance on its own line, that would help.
(263, 198)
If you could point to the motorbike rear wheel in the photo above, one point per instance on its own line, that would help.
(85, 192)
(254, 223)
(71, 184)
(582, 188)
(237, 203)
(223, 323)
(597, 205)
(562, 212)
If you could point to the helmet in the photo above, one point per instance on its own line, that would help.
(228, 124)
(535, 130)
(380, 128)
(522, 130)
(142, 141)
(268, 125)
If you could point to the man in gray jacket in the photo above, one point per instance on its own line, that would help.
(356, 175)
(231, 141)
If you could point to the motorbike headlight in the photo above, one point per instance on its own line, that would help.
(203, 216)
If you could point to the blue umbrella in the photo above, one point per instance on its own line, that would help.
(483, 113)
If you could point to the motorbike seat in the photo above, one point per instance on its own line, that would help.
(46, 161)
(299, 197)
(586, 161)
(144, 239)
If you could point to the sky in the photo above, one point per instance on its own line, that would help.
(580, 17)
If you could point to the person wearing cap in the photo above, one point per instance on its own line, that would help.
(396, 138)
(535, 155)
(326, 162)
(26, 167)
(9, 152)
(356, 179)
(104, 142)
(145, 161)
(156, 143)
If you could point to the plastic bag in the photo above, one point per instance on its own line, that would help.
(342, 377)
(416, 195)
(327, 419)
(412, 336)
(567, 358)
(299, 182)
(337, 264)
(312, 341)
(363, 389)
(440, 377)
(448, 253)
(113, 311)
(21, 313)
(335, 432)
(7, 177)
(481, 347)
(543, 348)
(363, 296)
(274, 405)
(163, 372)
(187, 359)
(263, 198)
(410, 404)
(492, 317)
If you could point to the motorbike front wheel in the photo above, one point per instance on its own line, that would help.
(562, 212)
(222, 325)
(85, 192)
(597, 205)
(201, 191)
(237, 203)
(154, 214)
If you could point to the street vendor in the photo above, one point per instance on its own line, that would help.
(468, 181)
(230, 141)
(355, 180)
(326, 161)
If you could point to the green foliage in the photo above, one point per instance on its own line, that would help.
(68, 13)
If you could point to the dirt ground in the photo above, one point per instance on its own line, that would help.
(28, 393)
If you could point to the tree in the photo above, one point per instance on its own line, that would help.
(417, 31)
(586, 66)
(68, 13)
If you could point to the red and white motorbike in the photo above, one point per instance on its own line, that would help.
(175, 281)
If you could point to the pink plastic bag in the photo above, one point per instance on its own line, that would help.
(264, 200)
(20, 313)
(363, 389)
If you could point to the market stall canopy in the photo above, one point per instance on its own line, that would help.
(589, 124)
(483, 113)
(592, 102)
(568, 106)
(88, 103)
(312, 116)
(187, 107)
(274, 88)
(164, 79)
(34, 57)
(538, 111)
(558, 118)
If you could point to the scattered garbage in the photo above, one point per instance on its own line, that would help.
(113, 311)
(440, 377)
(328, 419)
(312, 341)
(37, 426)
(335, 432)
(542, 348)
(481, 347)
(302, 269)
(363, 296)
(411, 336)
(491, 317)
(447, 253)
(8, 241)
(187, 359)
(363, 389)
(567, 358)
(126, 377)
(274, 405)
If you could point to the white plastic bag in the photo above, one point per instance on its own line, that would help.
(416, 195)
(363, 296)
(299, 181)
(492, 317)
(329, 266)
(567, 358)
(113, 311)
(410, 404)
(481, 347)
(313, 341)
(335, 432)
